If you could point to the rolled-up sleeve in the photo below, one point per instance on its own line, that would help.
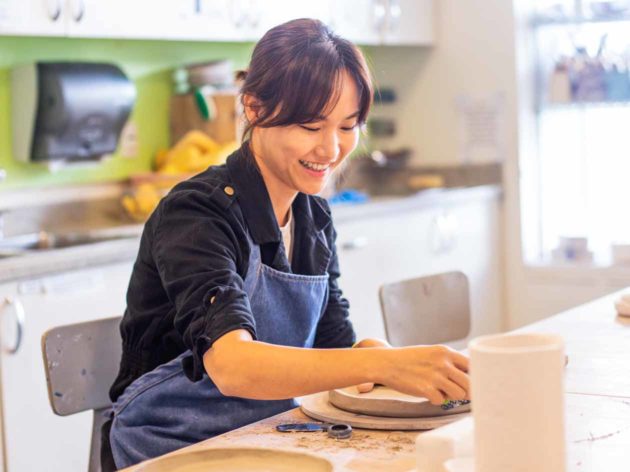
(198, 254)
(335, 328)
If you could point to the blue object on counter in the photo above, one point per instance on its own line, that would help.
(348, 196)
(617, 85)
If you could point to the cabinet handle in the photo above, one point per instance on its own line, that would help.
(356, 243)
(444, 233)
(78, 10)
(18, 308)
(238, 13)
(254, 14)
(53, 7)
(379, 14)
(395, 13)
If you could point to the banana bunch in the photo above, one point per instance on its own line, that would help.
(193, 153)
(142, 202)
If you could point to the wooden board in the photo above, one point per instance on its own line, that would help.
(238, 459)
(318, 407)
(384, 401)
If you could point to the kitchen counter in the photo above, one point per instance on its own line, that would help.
(42, 262)
(424, 199)
(597, 406)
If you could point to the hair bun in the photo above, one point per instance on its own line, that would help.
(241, 75)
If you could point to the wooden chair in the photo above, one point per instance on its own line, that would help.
(426, 310)
(81, 362)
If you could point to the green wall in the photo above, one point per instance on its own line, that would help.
(148, 63)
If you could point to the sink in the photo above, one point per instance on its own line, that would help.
(35, 242)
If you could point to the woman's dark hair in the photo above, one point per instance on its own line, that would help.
(295, 74)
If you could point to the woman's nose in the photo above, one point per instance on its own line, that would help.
(328, 148)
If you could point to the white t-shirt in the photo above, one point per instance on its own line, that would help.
(287, 235)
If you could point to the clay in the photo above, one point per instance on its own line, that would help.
(318, 407)
(386, 402)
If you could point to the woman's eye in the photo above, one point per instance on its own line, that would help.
(349, 128)
(309, 128)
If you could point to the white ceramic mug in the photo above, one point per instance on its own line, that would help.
(518, 402)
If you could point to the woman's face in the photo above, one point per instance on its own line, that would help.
(301, 158)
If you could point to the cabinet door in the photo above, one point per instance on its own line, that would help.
(36, 438)
(375, 251)
(360, 21)
(204, 20)
(463, 236)
(276, 12)
(409, 22)
(32, 17)
(466, 237)
(120, 18)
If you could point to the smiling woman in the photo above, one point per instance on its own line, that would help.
(233, 306)
(305, 95)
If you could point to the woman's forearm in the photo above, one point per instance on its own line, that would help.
(251, 369)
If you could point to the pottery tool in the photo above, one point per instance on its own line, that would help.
(335, 431)
(450, 404)
(318, 407)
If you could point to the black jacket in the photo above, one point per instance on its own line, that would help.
(194, 248)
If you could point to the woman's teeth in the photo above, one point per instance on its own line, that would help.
(314, 166)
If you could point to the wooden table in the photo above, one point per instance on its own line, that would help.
(597, 405)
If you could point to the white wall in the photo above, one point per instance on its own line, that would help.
(481, 50)
(474, 56)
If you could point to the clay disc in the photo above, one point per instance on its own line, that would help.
(318, 407)
(383, 401)
(238, 459)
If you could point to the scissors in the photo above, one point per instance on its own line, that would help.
(335, 431)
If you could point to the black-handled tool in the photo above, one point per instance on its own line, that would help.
(335, 431)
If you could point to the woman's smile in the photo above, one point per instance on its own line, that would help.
(316, 169)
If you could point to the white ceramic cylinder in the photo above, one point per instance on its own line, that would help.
(518, 402)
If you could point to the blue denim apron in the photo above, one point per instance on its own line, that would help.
(163, 410)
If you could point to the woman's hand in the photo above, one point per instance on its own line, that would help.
(437, 373)
(367, 387)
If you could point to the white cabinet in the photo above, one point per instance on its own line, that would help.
(409, 22)
(37, 439)
(110, 19)
(390, 22)
(276, 12)
(360, 21)
(368, 22)
(462, 235)
(206, 20)
(32, 17)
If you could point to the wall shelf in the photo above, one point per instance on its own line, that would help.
(538, 22)
(580, 105)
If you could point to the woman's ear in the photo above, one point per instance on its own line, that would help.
(252, 108)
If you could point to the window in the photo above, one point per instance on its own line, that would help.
(577, 187)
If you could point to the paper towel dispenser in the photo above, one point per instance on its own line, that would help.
(68, 111)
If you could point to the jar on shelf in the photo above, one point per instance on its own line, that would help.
(605, 9)
(555, 10)
(560, 83)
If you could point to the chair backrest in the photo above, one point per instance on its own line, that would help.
(426, 310)
(81, 362)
